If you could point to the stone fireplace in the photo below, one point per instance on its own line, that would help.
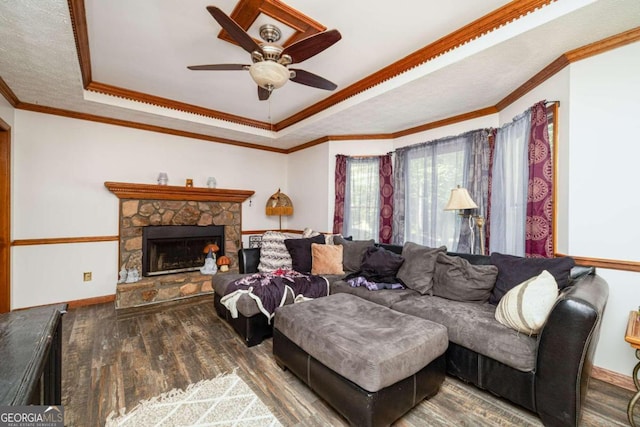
(150, 207)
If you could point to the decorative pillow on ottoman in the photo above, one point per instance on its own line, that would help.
(525, 308)
(326, 259)
(419, 265)
(300, 251)
(513, 270)
(457, 279)
(352, 252)
(274, 253)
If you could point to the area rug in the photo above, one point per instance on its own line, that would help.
(222, 401)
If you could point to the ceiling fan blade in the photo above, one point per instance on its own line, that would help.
(217, 67)
(235, 31)
(306, 78)
(312, 45)
(263, 94)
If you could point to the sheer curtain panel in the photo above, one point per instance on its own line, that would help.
(510, 178)
(425, 175)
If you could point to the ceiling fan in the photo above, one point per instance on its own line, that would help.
(270, 60)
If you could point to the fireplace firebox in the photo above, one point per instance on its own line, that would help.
(168, 249)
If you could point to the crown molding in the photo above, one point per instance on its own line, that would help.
(328, 138)
(80, 34)
(601, 46)
(174, 105)
(448, 121)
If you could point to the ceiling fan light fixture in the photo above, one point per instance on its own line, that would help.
(269, 74)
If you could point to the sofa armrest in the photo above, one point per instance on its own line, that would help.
(248, 260)
(566, 346)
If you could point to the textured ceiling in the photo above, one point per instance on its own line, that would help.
(145, 46)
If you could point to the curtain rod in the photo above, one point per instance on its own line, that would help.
(552, 102)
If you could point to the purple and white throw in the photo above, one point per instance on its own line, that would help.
(270, 290)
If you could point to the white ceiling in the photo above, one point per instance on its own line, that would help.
(146, 45)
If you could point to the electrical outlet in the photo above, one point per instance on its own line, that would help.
(87, 276)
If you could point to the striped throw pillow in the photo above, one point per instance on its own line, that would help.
(525, 307)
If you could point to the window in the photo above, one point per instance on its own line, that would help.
(431, 174)
(425, 175)
(362, 201)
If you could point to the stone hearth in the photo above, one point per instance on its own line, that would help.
(151, 205)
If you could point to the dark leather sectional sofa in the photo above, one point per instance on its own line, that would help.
(551, 376)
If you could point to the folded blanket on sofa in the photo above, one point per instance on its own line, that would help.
(270, 290)
(372, 286)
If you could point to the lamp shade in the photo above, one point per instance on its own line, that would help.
(269, 74)
(279, 204)
(460, 199)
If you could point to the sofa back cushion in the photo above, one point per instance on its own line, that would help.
(419, 266)
(513, 270)
(457, 279)
(352, 252)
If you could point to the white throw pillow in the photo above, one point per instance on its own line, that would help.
(525, 308)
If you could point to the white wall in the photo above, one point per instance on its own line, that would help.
(604, 150)
(308, 179)
(60, 166)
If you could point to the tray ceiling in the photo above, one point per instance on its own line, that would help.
(139, 51)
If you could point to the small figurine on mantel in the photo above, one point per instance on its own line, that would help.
(210, 266)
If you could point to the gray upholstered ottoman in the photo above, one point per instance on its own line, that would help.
(370, 363)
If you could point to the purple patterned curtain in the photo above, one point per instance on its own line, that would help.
(539, 238)
(341, 180)
(386, 198)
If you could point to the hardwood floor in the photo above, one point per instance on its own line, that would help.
(112, 360)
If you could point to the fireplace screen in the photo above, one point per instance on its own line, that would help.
(170, 249)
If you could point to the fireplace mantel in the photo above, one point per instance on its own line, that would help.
(125, 190)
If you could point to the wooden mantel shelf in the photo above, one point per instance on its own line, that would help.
(172, 192)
